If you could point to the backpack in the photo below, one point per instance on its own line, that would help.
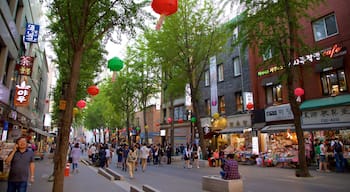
(338, 147)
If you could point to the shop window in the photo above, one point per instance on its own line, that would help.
(239, 101)
(221, 105)
(206, 78)
(237, 70)
(325, 27)
(267, 55)
(220, 72)
(333, 82)
(207, 106)
(273, 94)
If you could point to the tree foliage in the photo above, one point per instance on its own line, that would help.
(183, 47)
(81, 26)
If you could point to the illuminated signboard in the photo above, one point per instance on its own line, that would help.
(22, 95)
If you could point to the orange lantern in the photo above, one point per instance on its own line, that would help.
(81, 104)
(93, 90)
(164, 8)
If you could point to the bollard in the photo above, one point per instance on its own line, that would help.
(67, 169)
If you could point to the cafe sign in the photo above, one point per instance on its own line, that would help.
(331, 52)
(22, 95)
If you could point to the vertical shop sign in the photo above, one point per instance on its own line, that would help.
(26, 65)
(32, 33)
(213, 85)
(22, 95)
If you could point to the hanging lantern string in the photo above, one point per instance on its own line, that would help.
(160, 22)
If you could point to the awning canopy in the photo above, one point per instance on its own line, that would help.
(328, 126)
(326, 102)
(42, 132)
(233, 130)
(310, 127)
(277, 128)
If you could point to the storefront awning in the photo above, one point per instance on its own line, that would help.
(277, 128)
(42, 132)
(326, 102)
(233, 130)
(328, 126)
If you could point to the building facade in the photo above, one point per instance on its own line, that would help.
(324, 78)
(23, 65)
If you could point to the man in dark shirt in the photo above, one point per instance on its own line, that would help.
(230, 168)
(21, 161)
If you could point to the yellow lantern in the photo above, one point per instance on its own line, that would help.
(75, 111)
(222, 122)
(216, 115)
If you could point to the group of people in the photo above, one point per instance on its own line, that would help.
(327, 150)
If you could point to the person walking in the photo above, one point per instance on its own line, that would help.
(125, 156)
(21, 161)
(131, 160)
(337, 147)
(168, 153)
(144, 153)
(187, 156)
(75, 154)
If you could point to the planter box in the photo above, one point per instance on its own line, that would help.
(214, 183)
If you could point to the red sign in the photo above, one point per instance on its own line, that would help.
(26, 65)
(22, 95)
(332, 51)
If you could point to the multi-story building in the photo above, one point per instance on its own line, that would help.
(151, 125)
(22, 62)
(324, 77)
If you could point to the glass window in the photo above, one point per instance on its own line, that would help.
(179, 113)
(325, 27)
(236, 66)
(206, 78)
(221, 105)
(273, 94)
(239, 101)
(207, 106)
(220, 72)
(267, 55)
(333, 82)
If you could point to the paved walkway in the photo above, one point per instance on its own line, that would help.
(174, 178)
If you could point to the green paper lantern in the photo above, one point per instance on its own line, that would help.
(115, 64)
(137, 128)
(193, 119)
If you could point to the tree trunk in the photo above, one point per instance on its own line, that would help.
(145, 122)
(66, 123)
(199, 127)
(172, 135)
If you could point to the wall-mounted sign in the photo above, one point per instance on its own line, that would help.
(22, 95)
(32, 33)
(331, 52)
(25, 65)
(248, 98)
(278, 113)
(327, 115)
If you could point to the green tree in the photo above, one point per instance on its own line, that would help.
(184, 45)
(141, 62)
(270, 25)
(82, 23)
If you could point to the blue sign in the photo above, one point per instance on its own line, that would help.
(6, 125)
(32, 33)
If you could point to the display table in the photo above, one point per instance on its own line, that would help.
(214, 183)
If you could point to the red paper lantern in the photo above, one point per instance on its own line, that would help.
(299, 92)
(164, 8)
(93, 90)
(170, 120)
(157, 124)
(81, 104)
(250, 106)
(180, 121)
